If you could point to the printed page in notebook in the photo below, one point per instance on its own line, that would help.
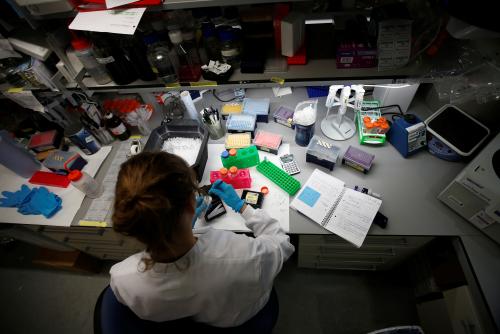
(317, 196)
(353, 216)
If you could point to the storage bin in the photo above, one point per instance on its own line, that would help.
(187, 128)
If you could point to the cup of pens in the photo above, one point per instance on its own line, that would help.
(211, 118)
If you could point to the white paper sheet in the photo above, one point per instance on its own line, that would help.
(71, 197)
(119, 21)
(117, 3)
(276, 203)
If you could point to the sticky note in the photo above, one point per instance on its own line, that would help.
(309, 196)
(90, 223)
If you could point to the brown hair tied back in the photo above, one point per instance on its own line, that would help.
(151, 194)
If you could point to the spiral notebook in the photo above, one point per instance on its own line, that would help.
(340, 210)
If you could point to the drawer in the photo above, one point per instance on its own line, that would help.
(76, 240)
(340, 266)
(357, 257)
(333, 249)
(370, 241)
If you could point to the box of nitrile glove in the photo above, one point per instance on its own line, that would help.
(62, 162)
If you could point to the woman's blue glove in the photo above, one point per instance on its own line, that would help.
(201, 206)
(16, 198)
(227, 193)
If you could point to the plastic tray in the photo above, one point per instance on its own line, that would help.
(279, 176)
(181, 128)
(366, 137)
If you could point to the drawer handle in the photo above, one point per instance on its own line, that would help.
(371, 267)
(367, 261)
(357, 251)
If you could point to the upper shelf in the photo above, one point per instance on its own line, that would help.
(316, 72)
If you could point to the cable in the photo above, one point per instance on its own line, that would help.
(219, 99)
(385, 107)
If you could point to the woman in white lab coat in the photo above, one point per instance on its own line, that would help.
(216, 277)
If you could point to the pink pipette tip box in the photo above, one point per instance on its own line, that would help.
(267, 141)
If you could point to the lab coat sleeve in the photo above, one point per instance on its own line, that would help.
(272, 242)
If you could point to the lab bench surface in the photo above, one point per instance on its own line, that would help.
(409, 189)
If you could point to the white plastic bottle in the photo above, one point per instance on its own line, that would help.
(85, 183)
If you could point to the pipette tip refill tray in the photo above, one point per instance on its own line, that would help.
(241, 123)
(358, 159)
(267, 141)
(257, 107)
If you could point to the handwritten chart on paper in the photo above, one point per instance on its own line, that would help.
(119, 21)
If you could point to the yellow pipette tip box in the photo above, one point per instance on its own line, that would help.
(238, 140)
(231, 109)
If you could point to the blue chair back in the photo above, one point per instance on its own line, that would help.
(112, 317)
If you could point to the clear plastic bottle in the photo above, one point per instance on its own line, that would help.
(229, 49)
(108, 53)
(83, 50)
(211, 42)
(159, 59)
(189, 59)
(85, 183)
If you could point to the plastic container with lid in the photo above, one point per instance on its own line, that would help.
(322, 152)
(85, 183)
(83, 50)
(159, 58)
(304, 119)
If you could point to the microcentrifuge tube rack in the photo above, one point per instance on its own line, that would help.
(279, 176)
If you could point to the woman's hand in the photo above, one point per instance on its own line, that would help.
(227, 193)
(201, 206)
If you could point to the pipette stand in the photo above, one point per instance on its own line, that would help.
(338, 126)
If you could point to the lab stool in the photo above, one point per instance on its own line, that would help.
(112, 317)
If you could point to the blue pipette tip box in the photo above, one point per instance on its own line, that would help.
(241, 123)
(257, 107)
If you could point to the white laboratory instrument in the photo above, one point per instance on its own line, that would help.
(338, 126)
(475, 192)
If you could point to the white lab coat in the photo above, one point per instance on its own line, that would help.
(223, 281)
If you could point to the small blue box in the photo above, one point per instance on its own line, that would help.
(257, 107)
(241, 123)
(408, 135)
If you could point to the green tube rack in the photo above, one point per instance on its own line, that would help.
(279, 176)
(244, 158)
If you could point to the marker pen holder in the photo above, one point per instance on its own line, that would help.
(215, 130)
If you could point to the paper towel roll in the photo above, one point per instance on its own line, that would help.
(188, 103)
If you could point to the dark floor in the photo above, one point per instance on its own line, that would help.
(39, 300)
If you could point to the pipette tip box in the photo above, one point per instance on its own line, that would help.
(284, 116)
(358, 159)
(241, 123)
(267, 141)
(231, 108)
(257, 107)
(238, 140)
(322, 152)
